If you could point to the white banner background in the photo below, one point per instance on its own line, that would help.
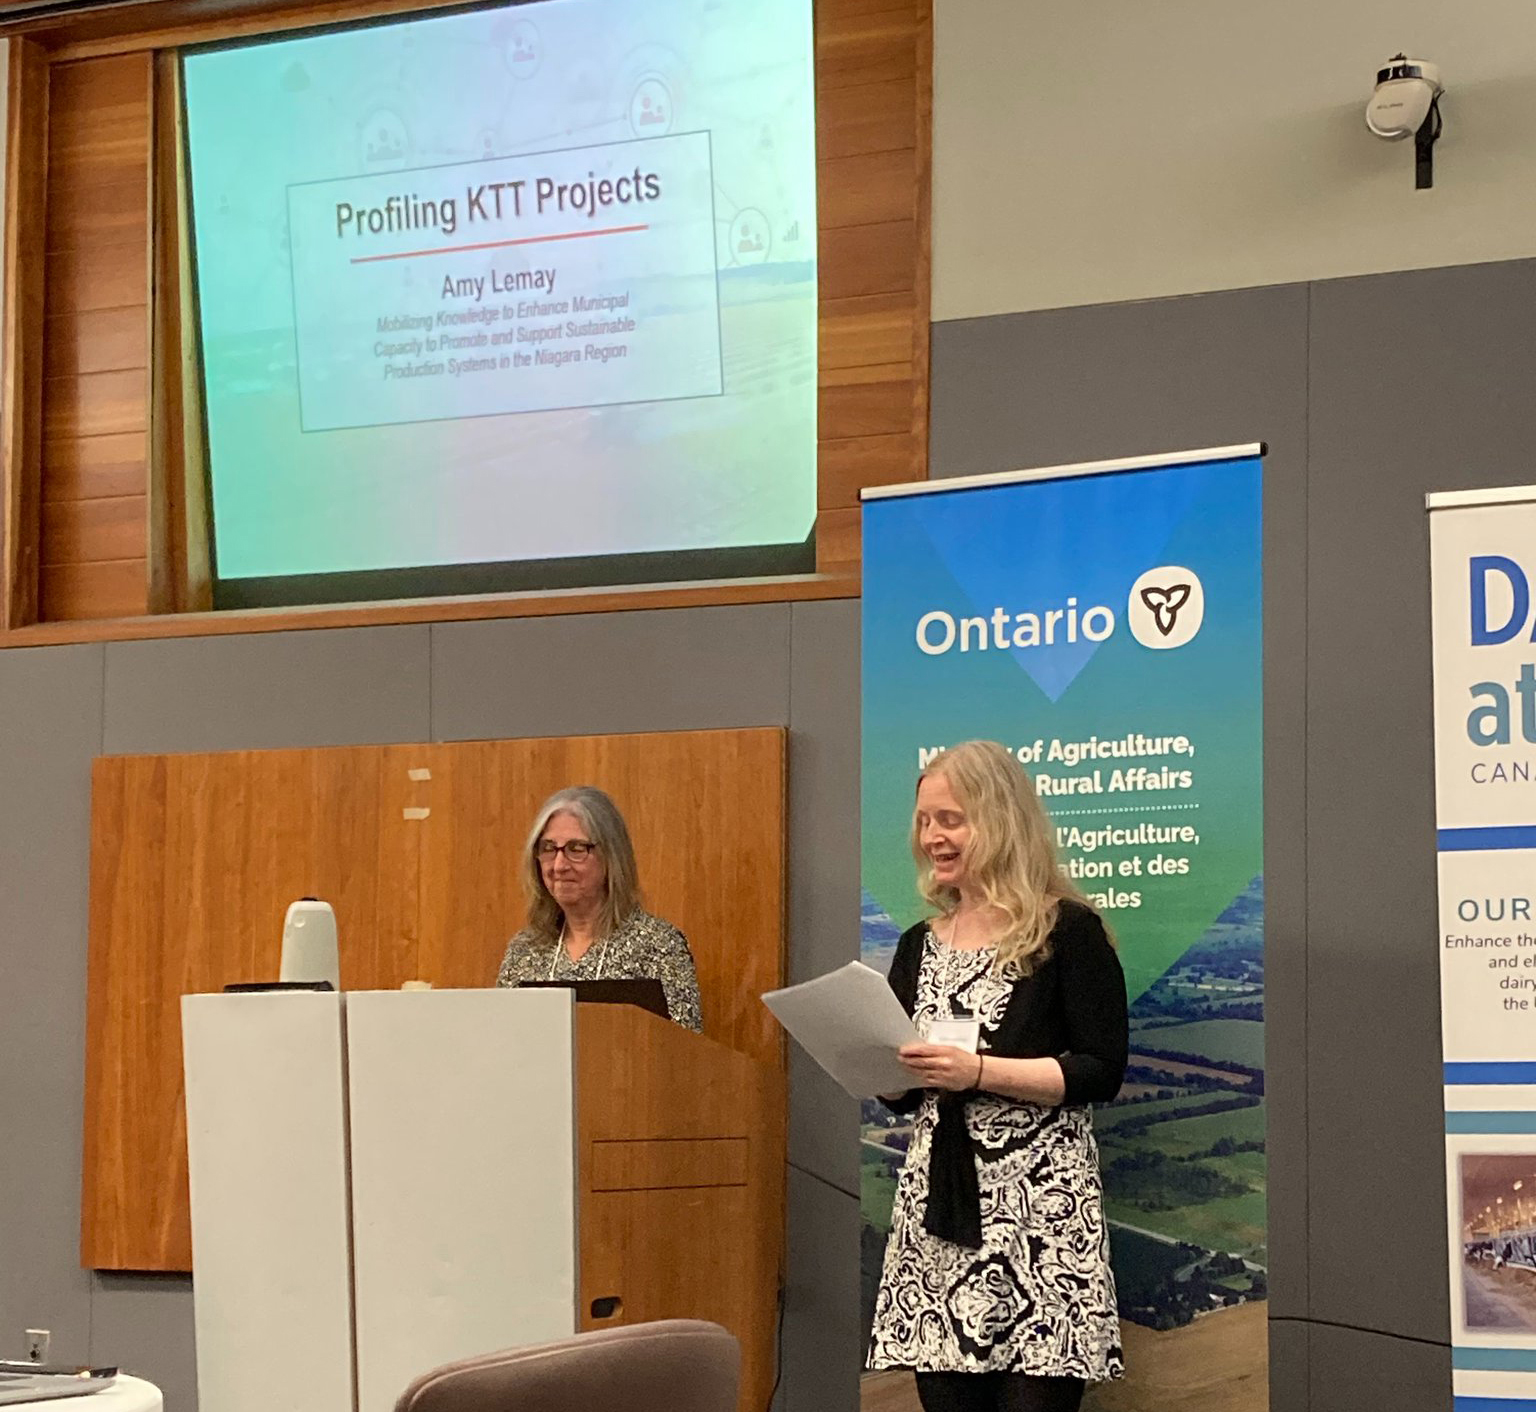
(1483, 570)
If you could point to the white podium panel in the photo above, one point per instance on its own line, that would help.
(463, 1145)
(266, 1149)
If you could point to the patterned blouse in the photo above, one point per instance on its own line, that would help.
(642, 947)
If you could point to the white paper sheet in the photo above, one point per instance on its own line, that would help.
(850, 1022)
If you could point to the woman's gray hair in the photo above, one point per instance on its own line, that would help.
(603, 824)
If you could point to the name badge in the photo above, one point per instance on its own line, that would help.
(962, 1034)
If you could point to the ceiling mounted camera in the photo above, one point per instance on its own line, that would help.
(1406, 103)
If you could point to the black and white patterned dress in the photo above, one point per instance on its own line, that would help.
(1038, 1296)
(642, 946)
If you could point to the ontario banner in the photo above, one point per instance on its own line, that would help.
(1482, 570)
(1104, 623)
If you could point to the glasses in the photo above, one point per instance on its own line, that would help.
(576, 850)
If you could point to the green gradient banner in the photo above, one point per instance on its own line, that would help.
(1107, 628)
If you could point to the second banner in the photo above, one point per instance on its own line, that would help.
(1105, 625)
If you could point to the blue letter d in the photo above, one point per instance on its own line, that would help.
(1481, 565)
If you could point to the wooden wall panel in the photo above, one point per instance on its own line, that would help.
(111, 212)
(95, 341)
(878, 328)
(868, 401)
(859, 43)
(837, 536)
(99, 108)
(21, 354)
(94, 404)
(114, 523)
(857, 461)
(95, 466)
(95, 517)
(865, 190)
(107, 276)
(130, 1083)
(875, 259)
(873, 117)
(109, 588)
(194, 859)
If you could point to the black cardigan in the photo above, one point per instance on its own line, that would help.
(1072, 1008)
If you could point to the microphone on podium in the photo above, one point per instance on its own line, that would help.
(309, 944)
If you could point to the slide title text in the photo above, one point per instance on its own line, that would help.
(497, 201)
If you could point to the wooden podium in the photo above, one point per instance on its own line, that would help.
(384, 1181)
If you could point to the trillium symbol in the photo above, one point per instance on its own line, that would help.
(1165, 604)
(1165, 607)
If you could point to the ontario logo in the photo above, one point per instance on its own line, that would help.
(1166, 607)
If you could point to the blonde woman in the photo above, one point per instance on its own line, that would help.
(996, 1289)
(585, 919)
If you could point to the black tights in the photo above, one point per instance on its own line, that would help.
(997, 1392)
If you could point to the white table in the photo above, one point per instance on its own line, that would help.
(125, 1395)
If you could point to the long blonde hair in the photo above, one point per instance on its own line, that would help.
(599, 816)
(1011, 852)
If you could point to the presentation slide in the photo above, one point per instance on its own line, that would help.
(508, 286)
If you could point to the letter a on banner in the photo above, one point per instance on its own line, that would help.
(1481, 571)
(1104, 624)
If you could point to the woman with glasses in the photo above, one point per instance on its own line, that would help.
(585, 918)
(996, 1289)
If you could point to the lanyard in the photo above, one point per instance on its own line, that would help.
(960, 1027)
(602, 956)
(946, 980)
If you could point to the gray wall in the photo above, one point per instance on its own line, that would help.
(1101, 151)
(1370, 392)
(720, 667)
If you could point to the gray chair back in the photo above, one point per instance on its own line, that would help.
(675, 1365)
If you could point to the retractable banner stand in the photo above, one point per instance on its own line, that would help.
(1482, 568)
(1104, 623)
